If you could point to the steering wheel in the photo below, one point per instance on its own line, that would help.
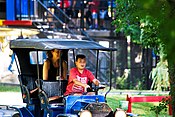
(95, 88)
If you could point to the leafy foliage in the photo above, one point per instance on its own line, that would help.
(126, 19)
(149, 32)
(121, 82)
(163, 105)
(135, 18)
(160, 76)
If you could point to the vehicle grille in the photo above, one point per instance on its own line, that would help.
(99, 109)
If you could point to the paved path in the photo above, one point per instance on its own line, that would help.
(11, 98)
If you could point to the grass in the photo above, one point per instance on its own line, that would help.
(142, 109)
(9, 88)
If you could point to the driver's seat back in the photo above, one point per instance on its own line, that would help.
(27, 83)
(54, 88)
(51, 89)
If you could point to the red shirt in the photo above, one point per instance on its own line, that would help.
(83, 78)
(66, 4)
(95, 7)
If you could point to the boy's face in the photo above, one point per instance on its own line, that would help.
(81, 63)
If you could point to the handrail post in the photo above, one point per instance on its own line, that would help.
(96, 73)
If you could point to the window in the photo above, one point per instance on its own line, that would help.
(41, 57)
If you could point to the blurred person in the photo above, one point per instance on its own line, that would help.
(88, 17)
(95, 12)
(51, 67)
(67, 6)
(103, 12)
(79, 77)
(76, 9)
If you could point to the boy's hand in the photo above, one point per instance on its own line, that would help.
(96, 82)
(86, 87)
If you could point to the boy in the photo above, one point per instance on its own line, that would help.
(79, 77)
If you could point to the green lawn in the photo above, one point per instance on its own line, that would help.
(9, 88)
(143, 109)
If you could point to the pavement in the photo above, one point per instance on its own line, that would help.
(11, 98)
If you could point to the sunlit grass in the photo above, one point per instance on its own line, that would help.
(142, 109)
(113, 100)
(9, 88)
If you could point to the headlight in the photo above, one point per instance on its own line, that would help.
(120, 113)
(85, 113)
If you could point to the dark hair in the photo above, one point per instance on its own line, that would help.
(81, 56)
(49, 54)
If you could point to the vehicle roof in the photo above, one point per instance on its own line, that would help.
(49, 44)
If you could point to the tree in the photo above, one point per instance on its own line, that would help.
(152, 24)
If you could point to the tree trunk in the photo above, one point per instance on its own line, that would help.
(171, 67)
(171, 62)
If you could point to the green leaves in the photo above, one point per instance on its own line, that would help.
(160, 76)
(163, 105)
(150, 32)
(132, 19)
(143, 20)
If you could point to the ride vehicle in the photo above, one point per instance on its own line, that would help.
(30, 54)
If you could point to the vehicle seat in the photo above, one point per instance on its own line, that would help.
(27, 84)
(51, 89)
(50, 110)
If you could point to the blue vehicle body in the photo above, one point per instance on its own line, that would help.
(74, 104)
(71, 108)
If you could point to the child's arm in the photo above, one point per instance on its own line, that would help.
(80, 84)
(85, 86)
(96, 82)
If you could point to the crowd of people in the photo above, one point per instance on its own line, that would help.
(95, 12)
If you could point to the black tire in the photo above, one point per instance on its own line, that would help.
(16, 115)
